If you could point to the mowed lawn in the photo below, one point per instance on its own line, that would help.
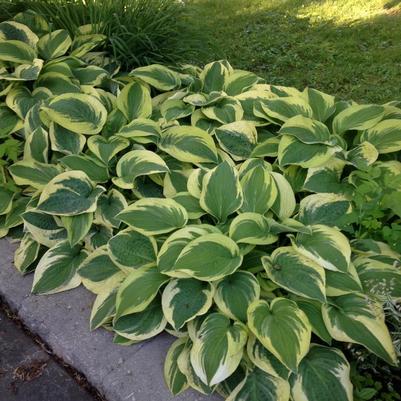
(351, 48)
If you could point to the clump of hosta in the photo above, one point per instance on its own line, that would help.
(202, 202)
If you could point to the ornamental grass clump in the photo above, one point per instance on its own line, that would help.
(138, 32)
(205, 203)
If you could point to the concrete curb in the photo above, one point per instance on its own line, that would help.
(133, 373)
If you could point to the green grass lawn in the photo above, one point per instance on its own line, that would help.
(351, 48)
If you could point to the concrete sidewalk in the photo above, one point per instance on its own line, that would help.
(133, 373)
(28, 373)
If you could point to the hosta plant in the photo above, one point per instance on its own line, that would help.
(205, 203)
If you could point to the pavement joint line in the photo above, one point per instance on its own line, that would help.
(78, 377)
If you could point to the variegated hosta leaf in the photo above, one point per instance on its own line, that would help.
(130, 249)
(57, 269)
(25, 72)
(203, 99)
(108, 207)
(306, 130)
(341, 283)
(321, 104)
(327, 246)
(225, 111)
(14, 30)
(103, 308)
(20, 100)
(250, 100)
(259, 189)
(54, 44)
(77, 226)
(208, 258)
(282, 328)
(84, 43)
(380, 275)
(95, 169)
(44, 228)
(158, 76)
(235, 293)
(357, 117)
(176, 380)
(259, 385)
(291, 151)
(218, 348)
(240, 81)
(99, 273)
(65, 141)
(267, 147)
(281, 91)
(324, 208)
(33, 173)
(106, 148)
(37, 146)
(184, 299)
(26, 254)
(313, 311)
(369, 247)
(94, 75)
(385, 136)
(324, 373)
(174, 109)
(221, 193)
(78, 112)
(69, 194)
(363, 155)
(284, 204)
(134, 101)
(226, 387)
(296, 273)
(17, 52)
(189, 144)
(14, 217)
(198, 119)
(282, 109)
(214, 76)
(185, 366)
(115, 121)
(141, 130)
(251, 228)
(325, 178)
(141, 325)
(98, 236)
(58, 84)
(237, 138)
(176, 242)
(264, 359)
(6, 201)
(176, 181)
(357, 319)
(34, 21)
(120, 340)
(138, 290)
(152, 216)
(10, 122)
(135, 164)
(190, 203)
(194, 182)
(288, 225)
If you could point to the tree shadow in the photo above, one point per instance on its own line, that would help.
(358, 59)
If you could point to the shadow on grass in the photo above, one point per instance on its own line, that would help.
(357, 59)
